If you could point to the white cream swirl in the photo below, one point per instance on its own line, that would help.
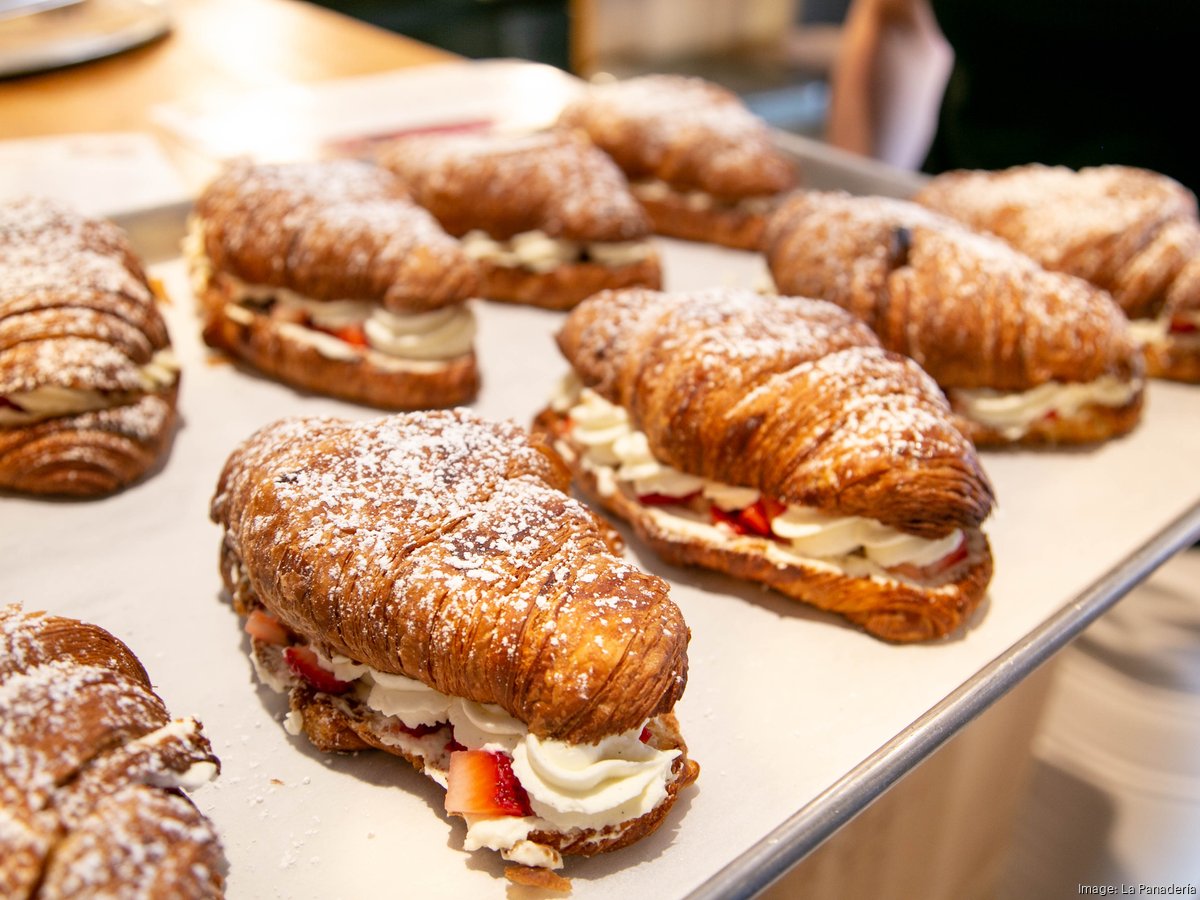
(659, 191)
(49, 401)
(583, 785)
(617, 454)
(1013, 412)
(540, 253)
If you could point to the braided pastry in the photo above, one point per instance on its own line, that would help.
(773, 439)
(702, 165)
(91, 767)
(1024, 355)
(548, 217)
(421, 584)
(327, 277)
(1131, 232)
(88, 381)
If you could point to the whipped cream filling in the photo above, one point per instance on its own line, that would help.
(410, 341)
(618, 455)
(586, 786)
(191, 778)
(49, 401)
(1012, 413)
(655, 190)
(540, 253)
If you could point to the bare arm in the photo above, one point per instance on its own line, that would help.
(888, 80)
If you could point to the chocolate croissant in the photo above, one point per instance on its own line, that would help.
(1025, 355)
(1132, 232)
(327, 277)
(88, 381)
(773, 439)
(701, 164)
(91, 772)
(548, 217)
(422, 585)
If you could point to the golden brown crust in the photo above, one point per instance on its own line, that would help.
(557, 183)
(543, 879)
(970, 310)
(792, 397)
(564, 287)
(87, 754)
(1129, 231)
(686, 132)
(365, 377)
(440, 546)
(333, 230)
(894, 609)
(78, 320)
(554, 182)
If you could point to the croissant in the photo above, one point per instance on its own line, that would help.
(548, 217)
(1129, 231)
(701, 164)
(88, 381)
(774, 440)
(327, 277)
(1024, 355)
(422, 585)
(91, 767)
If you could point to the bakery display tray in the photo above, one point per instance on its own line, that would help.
(797, 720)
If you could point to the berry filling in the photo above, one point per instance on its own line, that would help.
(754, 520)
(1180, 325)
(482, 783)
(262, 626)
(304, 664)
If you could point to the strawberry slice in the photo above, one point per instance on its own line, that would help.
(482, 783)
(304, 663)
(351, 334)
(263, 626)
(753, 520)
(654, 499)
(645, 736)
(1180, 325)
(924, 573)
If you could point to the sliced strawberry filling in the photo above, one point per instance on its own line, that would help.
(1180, 325)
(354, 335)
(304, 664)
(482, 783)
(653, 499)
(753, 520)
(263, 626)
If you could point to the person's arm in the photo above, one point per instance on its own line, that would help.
(888, 80)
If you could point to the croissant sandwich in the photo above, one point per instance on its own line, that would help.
(422, 585)
(88, 381)
(92, 772)
(327, 277)
(548, 217)
(1025, 355)
(773, 439)
(702, 165)
(1131, 232)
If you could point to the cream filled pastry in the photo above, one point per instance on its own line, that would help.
(487, 632)
(548, 217)
(701, 164)
(88, 380)
(773, 439)
(325, 276)
(1024, 355)
(1129, 231)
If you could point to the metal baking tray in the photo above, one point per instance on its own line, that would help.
(797, 720)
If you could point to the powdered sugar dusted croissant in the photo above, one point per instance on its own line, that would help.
(326, 276)
(1024, 355)
(421, 584)
(773, 439)
(704, 167)
(548, 216)
(1129, 231)
(87, 378)
(91, 767)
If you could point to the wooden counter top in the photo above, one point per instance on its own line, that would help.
(215, 47)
